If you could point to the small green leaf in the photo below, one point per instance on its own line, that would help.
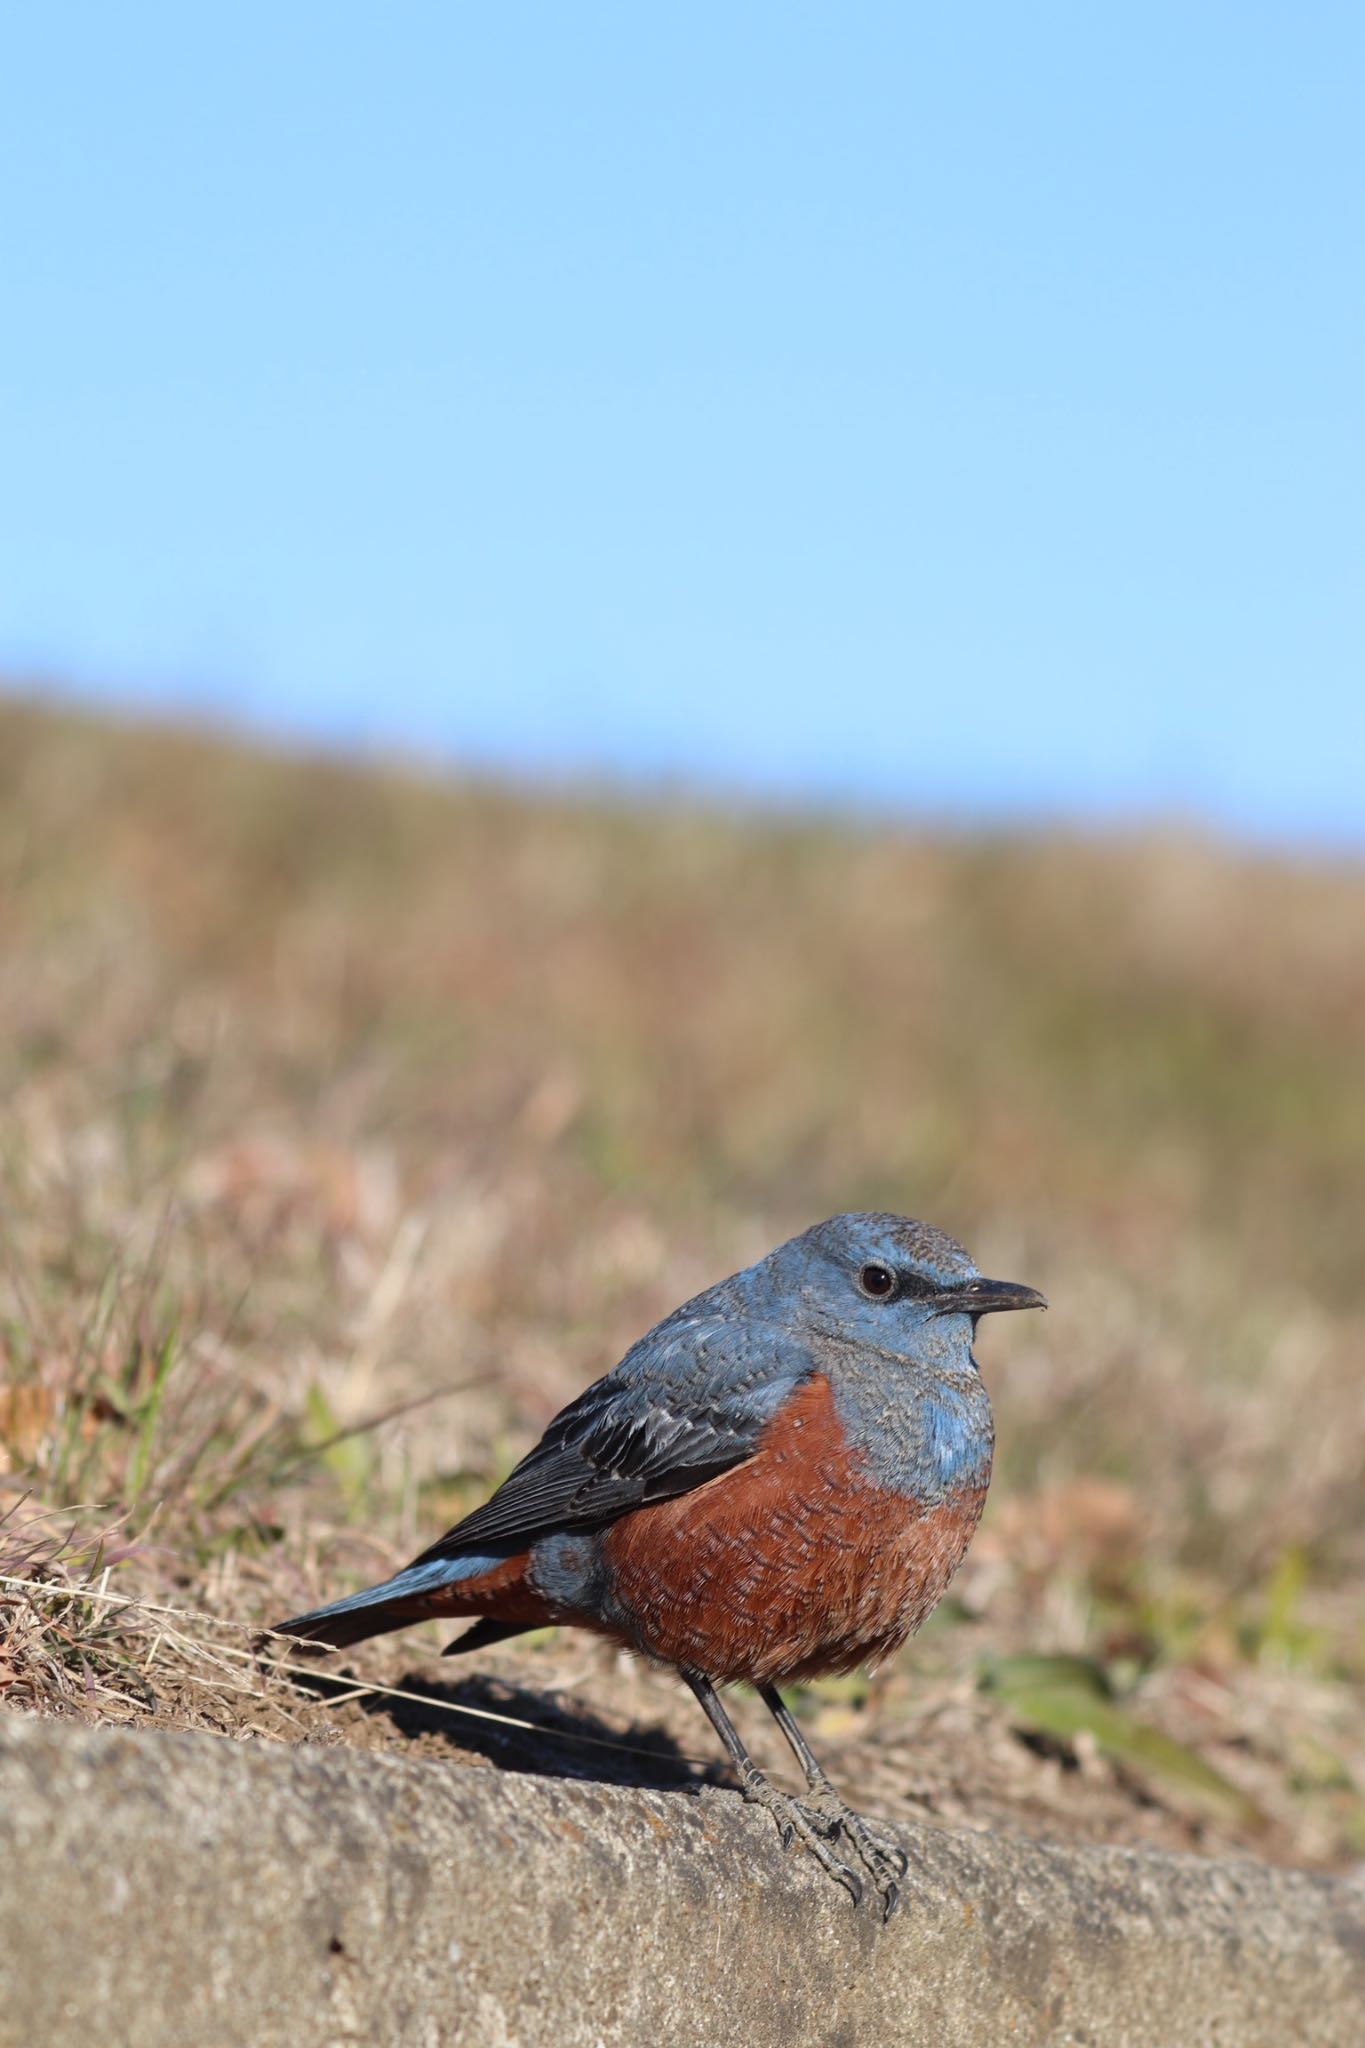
(1075, 1703)
(1028, 1673)
(147, 1414)
(346, 1457)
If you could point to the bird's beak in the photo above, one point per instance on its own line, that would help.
(988, 1298)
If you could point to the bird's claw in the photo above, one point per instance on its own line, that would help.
(881, 1859)
(824, 1823)
(884, 1861)
(813, 1829)
(817, 1823)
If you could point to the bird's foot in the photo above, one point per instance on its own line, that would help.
(883, 1860)
(814, 1830)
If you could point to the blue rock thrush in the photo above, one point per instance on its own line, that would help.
(777, 1482)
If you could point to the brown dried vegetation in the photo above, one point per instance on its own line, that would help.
(349, 1123)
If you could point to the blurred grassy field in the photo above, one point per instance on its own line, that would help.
(330, 1096)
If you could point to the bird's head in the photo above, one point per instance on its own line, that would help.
(889, 1282)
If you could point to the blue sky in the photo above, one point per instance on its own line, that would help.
(953, 408)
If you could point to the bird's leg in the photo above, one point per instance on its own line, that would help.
(883, 1861)
(791, 1818)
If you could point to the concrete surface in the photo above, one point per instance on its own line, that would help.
(177, 1889)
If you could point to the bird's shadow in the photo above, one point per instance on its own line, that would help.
(563, 1741)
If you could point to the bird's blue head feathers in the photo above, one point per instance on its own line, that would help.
(889, 1282)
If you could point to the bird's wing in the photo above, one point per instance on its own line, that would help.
(687, 1403)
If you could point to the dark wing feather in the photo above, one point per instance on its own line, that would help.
(686, 1404)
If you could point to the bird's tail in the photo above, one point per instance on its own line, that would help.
(444, 1586)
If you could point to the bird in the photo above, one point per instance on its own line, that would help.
(775, 1484)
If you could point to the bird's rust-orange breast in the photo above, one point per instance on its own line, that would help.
(792, 1565)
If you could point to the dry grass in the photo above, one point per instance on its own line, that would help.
(328, 1097)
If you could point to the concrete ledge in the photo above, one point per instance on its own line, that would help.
(164, 1889)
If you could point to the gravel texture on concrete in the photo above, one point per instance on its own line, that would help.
(172, 1889)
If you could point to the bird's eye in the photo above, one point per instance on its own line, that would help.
(877, 1282)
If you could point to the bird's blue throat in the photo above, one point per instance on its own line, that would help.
(924, 1435)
